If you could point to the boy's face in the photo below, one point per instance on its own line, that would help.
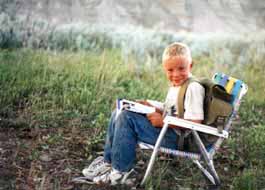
(177, 70)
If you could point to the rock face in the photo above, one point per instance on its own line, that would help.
(176, 15)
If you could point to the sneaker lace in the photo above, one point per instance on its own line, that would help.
(97, 165)
(105, 178)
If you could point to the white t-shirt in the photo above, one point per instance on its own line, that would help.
(193, 104)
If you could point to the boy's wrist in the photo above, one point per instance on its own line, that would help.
(159, 110)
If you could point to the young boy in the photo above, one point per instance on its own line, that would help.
(128, 128)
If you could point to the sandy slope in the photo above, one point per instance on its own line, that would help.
(191, 15)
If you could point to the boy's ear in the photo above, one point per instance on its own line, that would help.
(191, 64)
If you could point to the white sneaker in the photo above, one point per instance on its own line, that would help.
(115, 177)
(96, 168)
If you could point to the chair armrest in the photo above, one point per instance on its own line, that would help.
(194, 126)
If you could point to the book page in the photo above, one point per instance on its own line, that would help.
(123, 104)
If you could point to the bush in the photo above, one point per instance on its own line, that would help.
(250, 179)
(144, 45)
(253, 142)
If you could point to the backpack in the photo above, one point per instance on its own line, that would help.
(217, 109)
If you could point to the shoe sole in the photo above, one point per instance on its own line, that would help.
(82, 180)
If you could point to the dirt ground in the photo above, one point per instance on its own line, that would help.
(45, 159)
(49, 158)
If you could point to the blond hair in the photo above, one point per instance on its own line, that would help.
(177, 49)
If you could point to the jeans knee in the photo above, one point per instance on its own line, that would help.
(123, 116)
(113, 113)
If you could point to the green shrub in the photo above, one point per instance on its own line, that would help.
(253, 142)
(250, 179)
(232, 51)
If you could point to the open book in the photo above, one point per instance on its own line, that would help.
(123, 104)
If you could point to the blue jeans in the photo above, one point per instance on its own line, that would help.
(123, 134)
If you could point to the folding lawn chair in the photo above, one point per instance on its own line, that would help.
(237, 89)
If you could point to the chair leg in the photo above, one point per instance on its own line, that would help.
(205, 172)
(206, 157)
(214, 173)
(155, 151)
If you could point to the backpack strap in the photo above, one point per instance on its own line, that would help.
(181, 96)
(181, 99)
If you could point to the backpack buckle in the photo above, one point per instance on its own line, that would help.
(219, 122)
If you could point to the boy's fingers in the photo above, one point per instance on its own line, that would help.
(144, 102)
(153, 116)
(148, 116)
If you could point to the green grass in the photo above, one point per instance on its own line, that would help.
(50, 88)
(58, 89)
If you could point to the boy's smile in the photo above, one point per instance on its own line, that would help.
(177, 69)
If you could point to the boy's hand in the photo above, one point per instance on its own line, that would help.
(156, 119)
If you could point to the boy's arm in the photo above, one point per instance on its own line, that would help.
(194, 102)
(195, 121)
(156, 119)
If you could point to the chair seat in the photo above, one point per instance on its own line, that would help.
(190, 155)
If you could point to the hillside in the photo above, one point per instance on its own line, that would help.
(176, 15)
